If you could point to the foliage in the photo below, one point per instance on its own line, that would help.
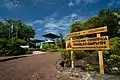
(106, 17)
(115, 45)
(11, 39)
(111, 19)
(76, 26)
(20, 30)
(65, 55)
(112, 62)
(90, 67)
(49, 47)
(11, 47)
(45, 46)
(61, 43)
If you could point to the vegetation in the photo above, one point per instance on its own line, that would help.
(60, 44)
(12, 35)
(105, 17)
(49, 48)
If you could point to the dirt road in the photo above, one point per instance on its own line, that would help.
(35, 67)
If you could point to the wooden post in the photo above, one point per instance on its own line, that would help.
(100, 59)
(72, 60)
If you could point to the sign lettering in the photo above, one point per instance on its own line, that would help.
(95, 43)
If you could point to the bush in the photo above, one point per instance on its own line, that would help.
(29, 52)
(115, 45)
(65, 55)
(11, 47)
(49, 47)
(45, 46)
(112, 61)
(112, 57)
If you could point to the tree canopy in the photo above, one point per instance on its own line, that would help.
(20, 30)
(105, 17)
(14, 33)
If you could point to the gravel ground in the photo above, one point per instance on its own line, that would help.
(36, 67)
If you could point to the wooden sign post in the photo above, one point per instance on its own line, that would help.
(98, 43)
(72, 60)
(101, 64)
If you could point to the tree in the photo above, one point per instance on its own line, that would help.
(106, 17)
(76, 26)
(12, 38)
(21, 31)
(115, 45)
(4, 30)
(93, 22)
(62, 41)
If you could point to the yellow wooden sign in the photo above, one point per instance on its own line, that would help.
(90, 31)
(95, 43)
(68, 45)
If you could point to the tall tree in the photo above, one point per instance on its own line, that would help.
(21, 31)
(76, 26)
(106, 17)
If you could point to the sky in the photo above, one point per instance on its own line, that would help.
(52, 16)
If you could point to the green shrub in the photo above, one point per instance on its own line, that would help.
(65, 55)
(11, 47)
(90, 67)
(112, 57)
(29, 52)
(112, 61)
(45, 46)
(49, 47)
(115, 45)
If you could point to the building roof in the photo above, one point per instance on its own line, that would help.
(50, 35)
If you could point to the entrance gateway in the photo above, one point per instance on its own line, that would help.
(98, 43)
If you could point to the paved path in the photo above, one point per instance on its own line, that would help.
(35, 67)
(20, 56)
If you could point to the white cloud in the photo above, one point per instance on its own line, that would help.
(52, 16)
(111, 3)
(85, 2)
(11, 4)
(70, 4)
(51, 31)
(38, 2)
(61, 24)
(39, 29)
(35, 22)
(53, 25)
(90, 1)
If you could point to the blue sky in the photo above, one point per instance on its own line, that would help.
(52, 16)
